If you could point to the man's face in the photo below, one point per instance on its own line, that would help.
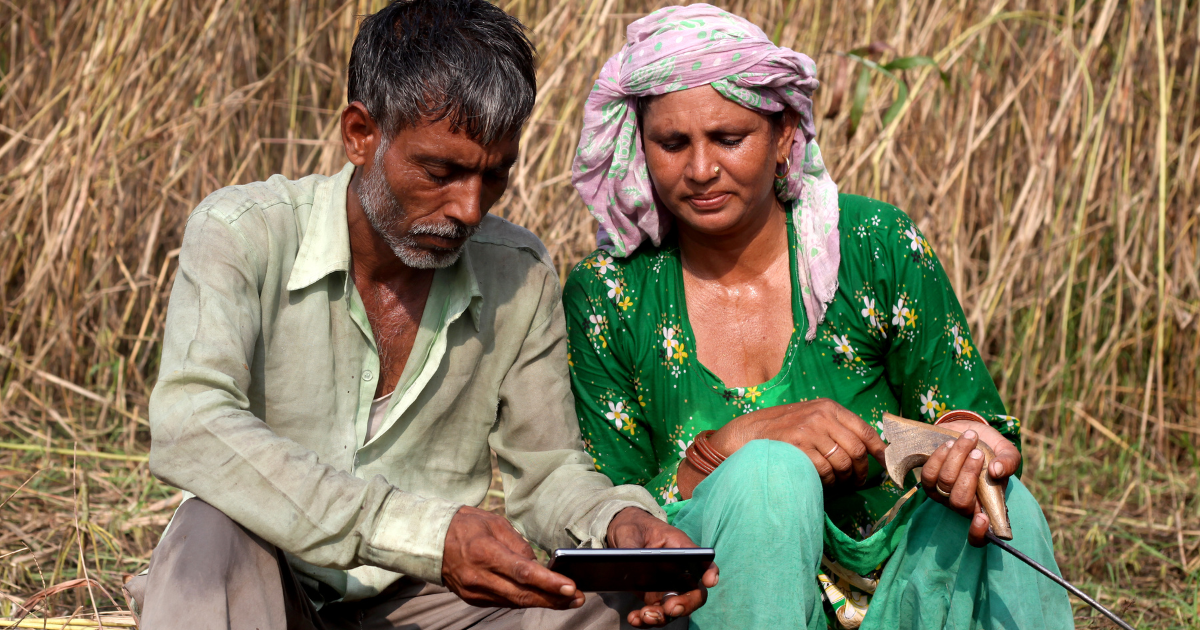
(426, 190)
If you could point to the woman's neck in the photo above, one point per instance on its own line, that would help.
(732, 258)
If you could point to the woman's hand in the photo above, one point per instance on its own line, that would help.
(954, 469)
(834, 438)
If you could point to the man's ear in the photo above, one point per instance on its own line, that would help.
(360, 134)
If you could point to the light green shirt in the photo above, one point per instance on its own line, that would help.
(269, 368)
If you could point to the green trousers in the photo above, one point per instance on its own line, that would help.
(763, 513)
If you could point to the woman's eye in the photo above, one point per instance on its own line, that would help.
(731, 141)
(671, 147)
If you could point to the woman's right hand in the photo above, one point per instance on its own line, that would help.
(834, 438)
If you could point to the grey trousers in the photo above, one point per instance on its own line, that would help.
(209, 573)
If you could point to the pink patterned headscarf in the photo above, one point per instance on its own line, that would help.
(677, 48)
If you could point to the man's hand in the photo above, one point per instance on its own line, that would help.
(634, 528)
(487, 563)
(954, 469)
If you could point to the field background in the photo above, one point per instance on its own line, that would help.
(1054, 169)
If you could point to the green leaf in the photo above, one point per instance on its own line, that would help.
(915, 61)
(893, 110)
(864, 84)
(861, 88)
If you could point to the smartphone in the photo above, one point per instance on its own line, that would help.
(647, 570)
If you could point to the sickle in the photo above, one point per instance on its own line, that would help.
(911, 443)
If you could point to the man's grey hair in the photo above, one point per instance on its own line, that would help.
(427, 60)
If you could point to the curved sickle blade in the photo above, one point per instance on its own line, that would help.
(911, 443)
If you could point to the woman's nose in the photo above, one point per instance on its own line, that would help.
(702, 168)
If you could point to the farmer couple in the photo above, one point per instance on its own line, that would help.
(342, 354)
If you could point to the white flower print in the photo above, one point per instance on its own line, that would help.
(603, 264)
(842, 346)
(671, 494)
(683, 447)
(958, 340)
(929, 404)
(598, 322)
(669, 340)
(916, 244)
(899, 312)
(615, 288)
(617, 414)
(869, 312)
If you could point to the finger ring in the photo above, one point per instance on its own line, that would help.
(831, 451)
(669, 595)
(938, 487)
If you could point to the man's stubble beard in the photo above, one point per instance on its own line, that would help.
(386, 216)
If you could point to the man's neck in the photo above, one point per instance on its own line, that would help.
(737, 257)
(393, 293)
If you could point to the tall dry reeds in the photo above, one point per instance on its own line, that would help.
(1056, 173)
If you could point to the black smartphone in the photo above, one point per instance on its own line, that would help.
(652, 570)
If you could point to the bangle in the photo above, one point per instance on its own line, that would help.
(702, 455)
(697, 462)
(960, 414)
(704, 447)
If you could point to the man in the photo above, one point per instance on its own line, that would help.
(341, 352)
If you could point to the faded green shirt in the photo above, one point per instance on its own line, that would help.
(269, 367)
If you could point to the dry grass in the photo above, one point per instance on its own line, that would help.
(1056, 175)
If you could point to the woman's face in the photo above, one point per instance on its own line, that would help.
(712, 161)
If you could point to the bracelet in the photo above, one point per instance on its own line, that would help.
(698, 462)
(702, 455)
(960, 414)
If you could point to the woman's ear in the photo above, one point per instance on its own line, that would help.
(787, 132)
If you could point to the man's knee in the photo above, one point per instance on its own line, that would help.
(778, 469)
(207, 542)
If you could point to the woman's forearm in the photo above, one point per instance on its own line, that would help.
(688, 478)
(727, 440)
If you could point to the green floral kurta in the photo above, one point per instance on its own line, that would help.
(894, 339)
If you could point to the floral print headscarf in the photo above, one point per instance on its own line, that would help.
(676, 48)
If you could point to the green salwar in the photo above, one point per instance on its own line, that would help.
(762, 511)
(894, 339)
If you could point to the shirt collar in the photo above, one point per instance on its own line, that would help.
(464, 289)
(325, 248)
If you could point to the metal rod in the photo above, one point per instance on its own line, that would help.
(1061, 582)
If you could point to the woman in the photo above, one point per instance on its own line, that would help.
(740, 308)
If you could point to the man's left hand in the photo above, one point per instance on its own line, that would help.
(634, 528)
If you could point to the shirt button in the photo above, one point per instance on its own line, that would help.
(367, 375)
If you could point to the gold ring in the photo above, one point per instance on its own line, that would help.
(938, 487)
(831, 451)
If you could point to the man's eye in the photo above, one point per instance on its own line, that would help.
(438, 176)
(496, 175)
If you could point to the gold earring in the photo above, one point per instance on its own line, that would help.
(716, 170)
(787, 169)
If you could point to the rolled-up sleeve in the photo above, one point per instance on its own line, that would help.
(206, 440)
(553, 493)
